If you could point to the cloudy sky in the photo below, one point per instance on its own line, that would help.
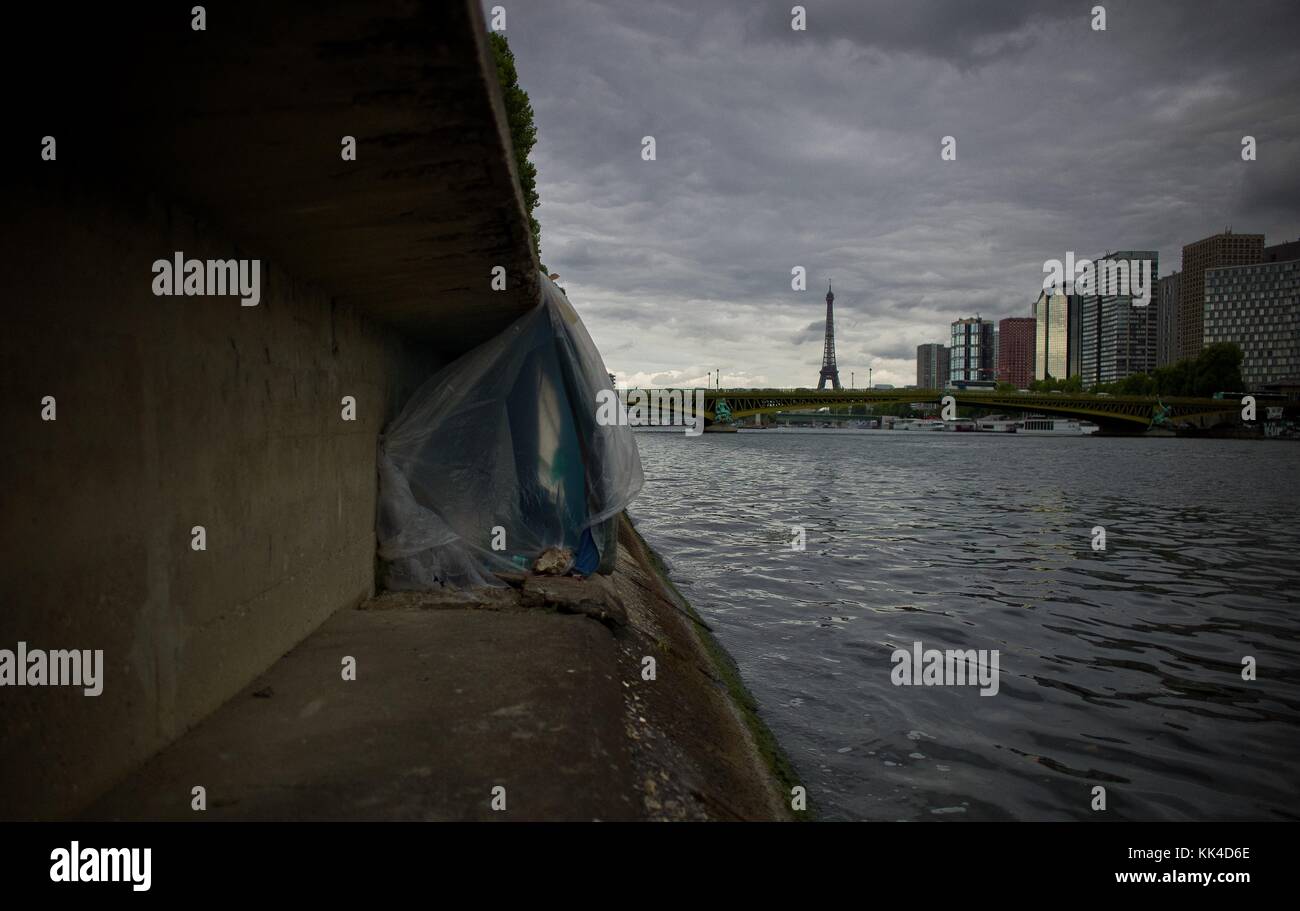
(821, 148)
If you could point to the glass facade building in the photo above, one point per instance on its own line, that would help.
(1167, 320)
(1117, 333)
(1258, 308)
(1056, 336)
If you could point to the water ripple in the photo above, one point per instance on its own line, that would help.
(1119, 668)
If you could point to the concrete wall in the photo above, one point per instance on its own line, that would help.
(178, 411)
(172, 412)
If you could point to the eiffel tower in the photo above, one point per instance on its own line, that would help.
(830, 372)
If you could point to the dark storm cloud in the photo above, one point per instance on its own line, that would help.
(958, 31)
(820, 149)
(813, 332)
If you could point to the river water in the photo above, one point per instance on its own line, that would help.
(1119, 668)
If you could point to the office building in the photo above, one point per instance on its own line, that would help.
(1167, 320)
(970, 350)
(1257, 308)
(931, 366)
(1117, 330)
(1017, 336)
(1056, 336)
(1280, 253)
(1215, 252)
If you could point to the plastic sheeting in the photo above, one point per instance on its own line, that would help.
(504, 442)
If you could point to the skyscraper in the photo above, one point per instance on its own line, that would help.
(1117, 332)
(931, 366)
(1056, 336)
(1167, 320)
(1015, 359)
(970, 352)
(1216, 251)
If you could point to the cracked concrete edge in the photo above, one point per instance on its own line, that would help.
(769, 759)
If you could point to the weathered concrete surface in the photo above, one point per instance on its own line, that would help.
(447, 705)
(182, 411)
(458, 694)
(171, 413)
(242, 124)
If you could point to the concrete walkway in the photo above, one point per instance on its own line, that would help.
(446, 705)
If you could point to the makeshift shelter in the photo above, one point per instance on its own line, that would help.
(499, 457)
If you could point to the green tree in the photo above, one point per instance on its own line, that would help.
(1052, 384)
(1216, 369)
(523, 132)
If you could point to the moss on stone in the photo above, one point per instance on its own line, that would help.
(773, 756)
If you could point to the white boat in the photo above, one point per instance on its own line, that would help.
(1056, 427)
(998, 425)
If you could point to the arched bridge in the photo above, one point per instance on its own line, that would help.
(1121, 413)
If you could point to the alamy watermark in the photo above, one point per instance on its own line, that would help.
(652, 408)
(1107, 277)
(202, 277)
(951, 667)
(76, 864)
(56, 667)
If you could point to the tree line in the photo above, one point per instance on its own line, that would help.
(1216, 369)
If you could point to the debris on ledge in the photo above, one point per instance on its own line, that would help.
(589, 597)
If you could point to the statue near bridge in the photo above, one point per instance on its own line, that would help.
(1160, 414)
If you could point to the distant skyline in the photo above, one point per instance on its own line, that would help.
(777, 148)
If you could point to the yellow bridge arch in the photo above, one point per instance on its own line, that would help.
(1113, 412)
